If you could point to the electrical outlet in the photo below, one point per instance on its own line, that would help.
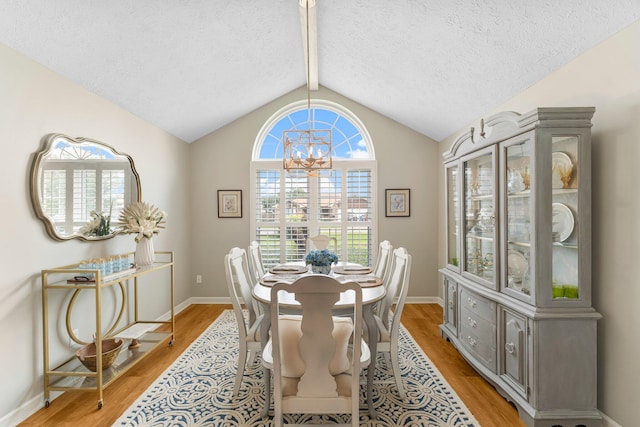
(199, 278)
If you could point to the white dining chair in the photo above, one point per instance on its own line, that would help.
(256, 265)
(388, 320)
(240, 290)
(315, 369)
(383, 259)
(322, 241)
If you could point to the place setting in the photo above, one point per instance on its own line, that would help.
(364, 280)
(288, 269)
(351, 269)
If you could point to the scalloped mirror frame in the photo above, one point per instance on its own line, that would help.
(80, 145)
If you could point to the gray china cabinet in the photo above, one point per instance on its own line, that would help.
(517, 281)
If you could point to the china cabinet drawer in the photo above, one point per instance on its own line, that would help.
(480, 326)
(478, 305)
(480, 341)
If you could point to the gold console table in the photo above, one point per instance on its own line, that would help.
(145, 335)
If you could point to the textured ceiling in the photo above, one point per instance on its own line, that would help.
(190, 67)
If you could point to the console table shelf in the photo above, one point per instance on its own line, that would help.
(145, 335)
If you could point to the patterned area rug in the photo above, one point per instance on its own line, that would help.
(196, 390)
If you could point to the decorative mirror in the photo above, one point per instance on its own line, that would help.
(79, 186)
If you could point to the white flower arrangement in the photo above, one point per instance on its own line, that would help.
(142, 219)
(98, 225)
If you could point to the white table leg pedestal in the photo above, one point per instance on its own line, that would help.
(265, 327)
(372, 328)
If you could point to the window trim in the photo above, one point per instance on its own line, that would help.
(315, 103)
(338, 163)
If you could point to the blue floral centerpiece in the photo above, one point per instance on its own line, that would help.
(321, 261)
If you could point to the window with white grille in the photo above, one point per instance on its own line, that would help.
(289, 207)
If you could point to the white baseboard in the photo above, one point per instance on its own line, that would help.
(25, 410)
(209, 300)
(608, 422)
(424, 300)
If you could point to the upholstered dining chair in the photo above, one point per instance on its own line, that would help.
(388, 320)
(315, 370)
(240, 290)
(322, 241)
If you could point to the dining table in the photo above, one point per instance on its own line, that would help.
(373, 290)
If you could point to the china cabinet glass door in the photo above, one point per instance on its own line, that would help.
(517, 173)
(480, 217)
(453, 216)
(564, 208)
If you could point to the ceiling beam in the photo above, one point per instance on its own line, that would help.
(310, 54)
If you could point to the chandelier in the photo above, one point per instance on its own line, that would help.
(307, 149)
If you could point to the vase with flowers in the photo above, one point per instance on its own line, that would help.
(144, 220)
(321, 260)
(98, 225)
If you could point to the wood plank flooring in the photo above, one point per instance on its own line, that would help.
(422, 320)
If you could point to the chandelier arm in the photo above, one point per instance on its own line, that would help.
(295, 142)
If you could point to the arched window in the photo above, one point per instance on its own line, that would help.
(289, 207)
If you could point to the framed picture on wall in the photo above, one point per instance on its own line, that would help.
(397, 202)
(229, 203)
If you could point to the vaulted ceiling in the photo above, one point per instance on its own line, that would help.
(190, 67)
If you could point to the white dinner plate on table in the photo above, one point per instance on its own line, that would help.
(351, 269)
(364, 280)
(288, 269)
(272, 279)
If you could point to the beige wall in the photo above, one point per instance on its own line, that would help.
(221, 160)
(608, 78)
(34, 102)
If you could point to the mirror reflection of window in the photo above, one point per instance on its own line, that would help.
(82, 185)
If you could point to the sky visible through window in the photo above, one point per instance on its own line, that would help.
(346, 141)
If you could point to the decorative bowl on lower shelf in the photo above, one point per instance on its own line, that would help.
(110, 350)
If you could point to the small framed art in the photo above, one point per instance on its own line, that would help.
(397, 202)
(229, 203)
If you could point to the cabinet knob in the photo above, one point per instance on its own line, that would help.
(471, 341)
(471, 302)
(510, 347)
(472, 322)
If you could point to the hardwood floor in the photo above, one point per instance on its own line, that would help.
(484, 402)
(422, 320)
